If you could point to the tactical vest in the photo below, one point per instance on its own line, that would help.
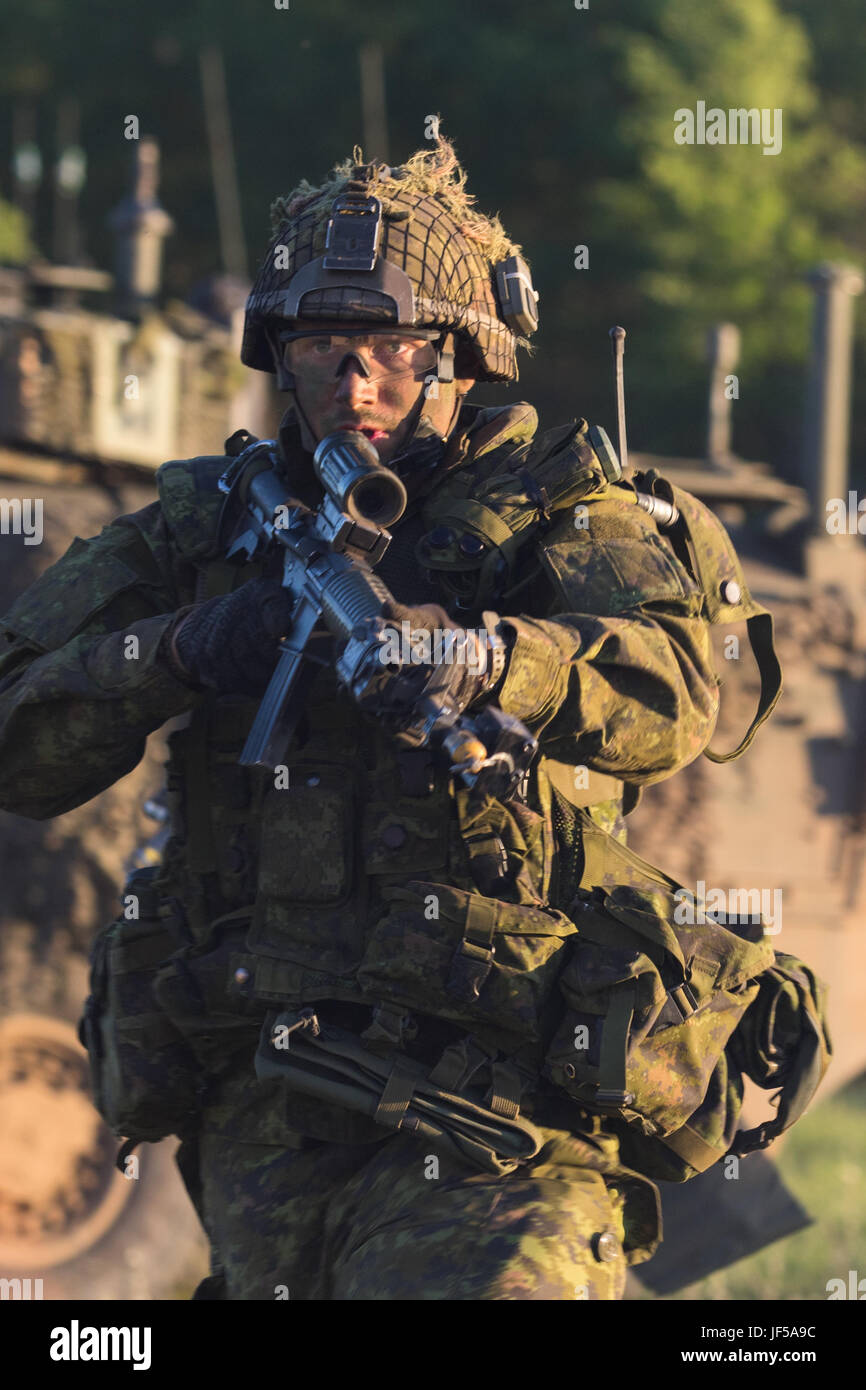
(361, 898)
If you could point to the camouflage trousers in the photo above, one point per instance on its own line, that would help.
(394, 1220)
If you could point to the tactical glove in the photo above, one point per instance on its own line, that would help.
(455, 667)
(229, 643)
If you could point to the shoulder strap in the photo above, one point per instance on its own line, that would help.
(217, 577)
(192, 502)
(193, 492)
(760, 632)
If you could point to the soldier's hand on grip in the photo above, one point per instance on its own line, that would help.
(440, 661)
(229, 644)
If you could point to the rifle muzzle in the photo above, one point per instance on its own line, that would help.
(351, 471)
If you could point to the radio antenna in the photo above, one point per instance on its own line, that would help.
(617, 338)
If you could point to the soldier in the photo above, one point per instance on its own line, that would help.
(270, 895)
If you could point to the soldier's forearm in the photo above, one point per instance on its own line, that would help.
(75, 720)
(635, 697)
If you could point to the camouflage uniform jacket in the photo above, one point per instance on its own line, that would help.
(610, 669)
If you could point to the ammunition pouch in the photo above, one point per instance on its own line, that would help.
(401, 1094)
(488, 965)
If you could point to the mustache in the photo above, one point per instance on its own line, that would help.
(365, 423)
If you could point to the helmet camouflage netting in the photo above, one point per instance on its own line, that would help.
(455, 258)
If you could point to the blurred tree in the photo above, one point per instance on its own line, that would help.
(709, 232)
(15, 244)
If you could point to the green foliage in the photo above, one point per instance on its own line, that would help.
(15, 245)
(725, 231)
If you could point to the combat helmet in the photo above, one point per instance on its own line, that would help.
(401, 245)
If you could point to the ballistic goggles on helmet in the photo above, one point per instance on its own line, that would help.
(379, 352)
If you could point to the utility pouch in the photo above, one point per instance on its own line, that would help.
(144, 1077)
(473, 541)
(205, 990)
(473, 960)
(508, 847)
(650, 1010)
(666, 1010)
(400, 1093)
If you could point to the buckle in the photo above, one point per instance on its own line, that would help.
(470, 967)
(614, 1100)
(610, 464)
(390, 1025)
(685, 999)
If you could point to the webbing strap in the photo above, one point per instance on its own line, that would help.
(123, 1153)
(458, 1064)
(473, 960)
(760, 633)
(604, 856)
(219, 578)
(504, 1095)
(389, 1025)
(449, 1070)
(201, 853)
(690, 1146)
(614, 1046)
(398, 1092)
(482, 915)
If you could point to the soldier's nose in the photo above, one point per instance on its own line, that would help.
(354, 385)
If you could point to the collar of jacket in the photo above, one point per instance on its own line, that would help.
(478, 431)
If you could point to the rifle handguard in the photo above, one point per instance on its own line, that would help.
(327, 559)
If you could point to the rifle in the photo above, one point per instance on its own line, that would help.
(327, 558)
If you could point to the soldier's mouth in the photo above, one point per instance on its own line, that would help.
(371, 432)
(374, 434)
